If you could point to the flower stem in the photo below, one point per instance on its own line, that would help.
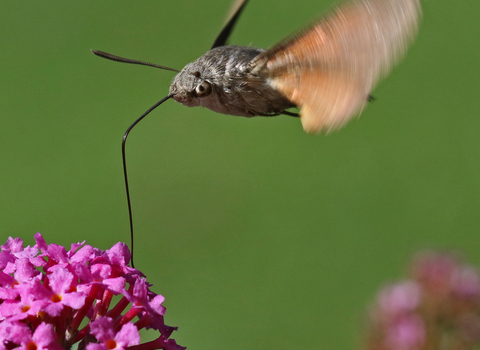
(83, 311)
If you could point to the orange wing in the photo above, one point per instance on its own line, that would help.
(330, 69)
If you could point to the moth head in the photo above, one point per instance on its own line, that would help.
(190, 86)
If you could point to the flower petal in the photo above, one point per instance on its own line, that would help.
(128, 335)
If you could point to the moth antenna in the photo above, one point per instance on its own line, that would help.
(227, 30)
(124, 160)
(109, 56)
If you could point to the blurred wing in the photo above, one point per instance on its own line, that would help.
(233, 17)
(330, 69)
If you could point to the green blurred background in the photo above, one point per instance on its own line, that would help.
(258, 235)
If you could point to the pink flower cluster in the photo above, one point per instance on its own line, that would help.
(51, 299)
(438, 307)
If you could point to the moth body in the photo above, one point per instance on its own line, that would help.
(224, 81)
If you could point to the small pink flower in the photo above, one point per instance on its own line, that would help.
(406, 333)
(59, 293)
(102, 329)
(400, 297)
(13, 245)
(19, 309)
(466, 282)
(44, 337)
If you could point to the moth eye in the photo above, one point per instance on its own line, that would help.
(203, 89)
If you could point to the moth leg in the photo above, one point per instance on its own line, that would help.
(291, 114)
(371, 98)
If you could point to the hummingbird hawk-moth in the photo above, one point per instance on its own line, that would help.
(327, 70)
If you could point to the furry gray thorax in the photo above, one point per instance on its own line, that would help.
(223, 81)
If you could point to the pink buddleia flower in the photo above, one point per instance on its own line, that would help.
(43, 310)
(437, 308)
